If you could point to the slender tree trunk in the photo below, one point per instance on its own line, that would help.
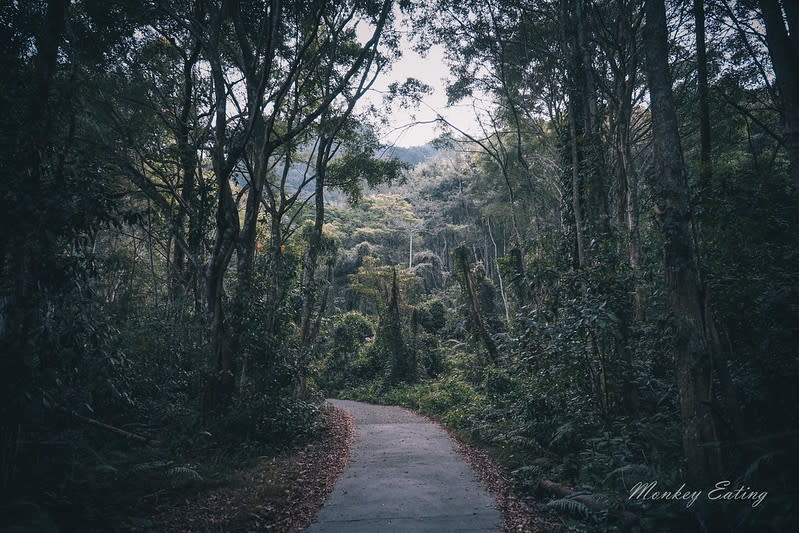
(314, 241)
(21, 254)
(595, 168)
(575, 114)
(184, 270)
(634, 254)
(246, 244)
(221, 386)
(309, 285)
(705, 167)
(499, 274)
(782, 37)
(630, 206)
(576, 183)
(150, 256)
(625, 75)
(245, 249)
(691, 348)
(276, 289)
(461, 254)
(634, 246)
(323, 304)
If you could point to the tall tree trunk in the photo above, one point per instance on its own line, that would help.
(462, 259)
(634, 255)
(705, 168)
(625, 75)
(782, 37)
(22, 253)
(574, 116)
(588, 164)
(594, 164)
(276, 289)
(499, 274)
(184, 272)
(245, 249)
(309, 285)
(314, 241)
(576, 189)
(246, 243)
(221, 385)
(691, 348)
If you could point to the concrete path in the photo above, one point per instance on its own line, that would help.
(404, 475)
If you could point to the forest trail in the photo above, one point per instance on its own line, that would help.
(404, 475)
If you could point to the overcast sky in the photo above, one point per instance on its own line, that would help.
(433, 71)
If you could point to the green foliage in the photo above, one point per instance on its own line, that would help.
(391, 343)
(348, 337)
(382, 220)
(350, 331)
(354, 168)
(456, 402)
(569, 505)
(433, 315)
(371, 286)
(112, 204)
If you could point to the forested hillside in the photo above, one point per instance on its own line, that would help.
(205, 233)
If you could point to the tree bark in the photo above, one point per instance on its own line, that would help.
(315, 239)
(309, 288)
(224, 157)
(184, 271)
(23, 253)
(221, 385)
(705, 168)
(461, 254)
(499, 274)
(594, 164)
(625, 70)
(782, 38)
(577, 190)
(691, 349)
(573, 110)
(245, 248)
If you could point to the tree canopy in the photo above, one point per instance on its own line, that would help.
(204, 234)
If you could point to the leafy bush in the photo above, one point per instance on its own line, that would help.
(349, 359)
(433, 315)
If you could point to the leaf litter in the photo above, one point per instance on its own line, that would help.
(278, 494)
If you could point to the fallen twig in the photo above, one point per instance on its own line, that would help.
(113, 429)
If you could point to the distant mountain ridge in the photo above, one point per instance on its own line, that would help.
(413, 155)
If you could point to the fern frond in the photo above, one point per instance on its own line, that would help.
(147, 467)
(570, 506)
(106, 469)
(630, 469)
(184, 472)
(562, 432)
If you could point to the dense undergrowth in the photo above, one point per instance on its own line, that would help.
(600, 295)
(559, 403)
(117, 429)
(601, 461)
